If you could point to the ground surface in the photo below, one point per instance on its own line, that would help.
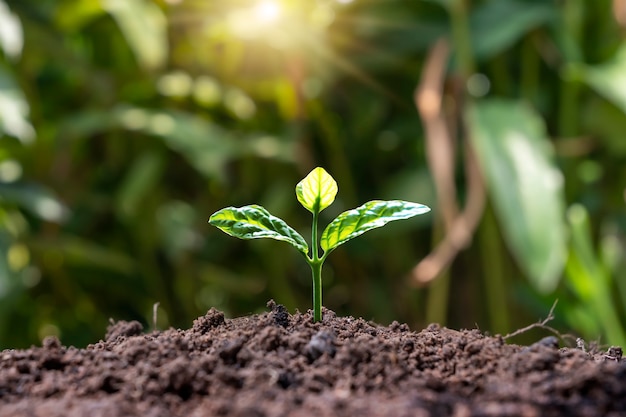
(276, 364)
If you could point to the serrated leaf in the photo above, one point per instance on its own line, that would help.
(373, 214)
(255, 222)
(317, 190)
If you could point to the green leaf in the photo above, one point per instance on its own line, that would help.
(11, 32)
(14, 109)
(206, 145)
(498, 25)
(373, 214)
(607, 79)
(142, 178)
(525, 185)
(255, 222)
(7, 276)
(81, 252)
(317, 190)
(35, 198)
(145, 28)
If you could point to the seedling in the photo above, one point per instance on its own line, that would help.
(315, 192)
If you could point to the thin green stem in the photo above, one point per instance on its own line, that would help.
(314, 246)
(316, 269)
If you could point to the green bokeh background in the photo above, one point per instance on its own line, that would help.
(125, 123)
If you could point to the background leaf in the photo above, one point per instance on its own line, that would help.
(34, 198)
(11, 35)
(525, 186)
(608, 78)
(144, 27)
(497, 25)
(14, 109)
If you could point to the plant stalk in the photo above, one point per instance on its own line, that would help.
(316, 270)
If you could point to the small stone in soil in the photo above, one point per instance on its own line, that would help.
(322, 342)
(548, 341)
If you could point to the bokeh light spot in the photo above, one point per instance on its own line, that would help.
(10, 170)
(239, 104)
(268, 12)
(162, 124)
(207, 91)
(478, 85)
(175, 84)
(18, 257)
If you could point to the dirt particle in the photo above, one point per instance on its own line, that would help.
(614, 353)
(285, 380)
(433, 327)
(51, 343)
(280, 315)
(123, 329)
(229, 349)
(212, 319)
(399, 327)
(111, 384)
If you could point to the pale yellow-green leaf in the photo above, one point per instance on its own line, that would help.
(317, 190)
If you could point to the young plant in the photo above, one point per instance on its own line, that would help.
(315, 192)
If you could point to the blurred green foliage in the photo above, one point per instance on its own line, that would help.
(125, 123)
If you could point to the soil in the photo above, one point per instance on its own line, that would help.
(277, 364)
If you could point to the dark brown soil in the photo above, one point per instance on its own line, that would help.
(277, 364)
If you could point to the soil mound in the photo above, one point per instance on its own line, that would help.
(277, 364)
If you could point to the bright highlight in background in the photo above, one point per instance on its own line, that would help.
(268, 11)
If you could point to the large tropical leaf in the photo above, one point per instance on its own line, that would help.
(525, 185)
(371, 215)
(255, 222)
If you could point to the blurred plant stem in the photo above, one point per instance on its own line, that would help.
(493, 259)
(438, 297)
(461, 37)
(529, 82)
(569, 96)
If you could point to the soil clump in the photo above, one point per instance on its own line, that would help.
(277, 364)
